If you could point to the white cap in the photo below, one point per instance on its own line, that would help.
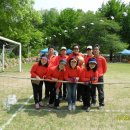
(63, 48)
(89, 47)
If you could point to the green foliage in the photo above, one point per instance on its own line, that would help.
(38, 29)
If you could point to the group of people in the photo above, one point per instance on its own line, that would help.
(77, 75)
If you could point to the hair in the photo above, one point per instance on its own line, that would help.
(75, 44)
(96, 45)
(88, 68)
(71, 60)
(40, 64)
(51, 46)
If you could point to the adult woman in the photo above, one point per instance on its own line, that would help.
(89, 76)
(72, 75)
(38, 71)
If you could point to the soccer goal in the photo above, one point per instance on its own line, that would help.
(10, 48)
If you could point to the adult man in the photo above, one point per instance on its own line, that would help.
(89, 55)
(102, 68)
(75, 53)
(51, 59)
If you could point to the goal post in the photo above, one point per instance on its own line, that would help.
(20, 52)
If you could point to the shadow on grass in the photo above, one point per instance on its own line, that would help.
(29, 108)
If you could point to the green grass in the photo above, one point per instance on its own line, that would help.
(117, 97)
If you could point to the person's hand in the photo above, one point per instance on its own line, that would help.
(86, 83)
(54, 79)
(38, 78)
(93, 78)
(73, 80)
(44, 77)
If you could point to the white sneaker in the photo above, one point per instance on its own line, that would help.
(73, 107)
(69, 107)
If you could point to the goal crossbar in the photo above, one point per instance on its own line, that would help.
(20, 52)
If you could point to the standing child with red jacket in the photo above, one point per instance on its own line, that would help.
(38, 71)
(89, 76)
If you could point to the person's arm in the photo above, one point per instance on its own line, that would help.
(104, 65)
(33, 70)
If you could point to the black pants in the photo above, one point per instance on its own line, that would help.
(100, 88)
(47, 92)
(37, 92)
(79, 91)
(86, 95)
(54, 98)
(62, 92)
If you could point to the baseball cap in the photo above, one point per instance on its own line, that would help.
(63, 61)
(92, 60)
(63, 48)
(89, 47)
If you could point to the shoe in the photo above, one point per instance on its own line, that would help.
(57, 107)
(37, 106)
(51, 105)
(69, 107)
(80, 100)
(100, 107)
(73, 107)
(93, 104)
(88, 109)
(41, 104)
(84, 107)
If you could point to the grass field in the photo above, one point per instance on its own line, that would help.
(23, 116)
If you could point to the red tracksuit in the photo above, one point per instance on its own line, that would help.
(88, 76)
(54, 72)
(41, 71)
(74, 55)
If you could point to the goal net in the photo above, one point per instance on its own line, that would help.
(10, 54)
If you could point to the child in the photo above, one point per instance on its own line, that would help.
(38, 71)
(89, 76)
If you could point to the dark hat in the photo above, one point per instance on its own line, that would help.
(92, 60)
(63, 61)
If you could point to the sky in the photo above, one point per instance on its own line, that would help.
(85, 5)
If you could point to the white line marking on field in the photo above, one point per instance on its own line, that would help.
(14, 115)
(92, 110)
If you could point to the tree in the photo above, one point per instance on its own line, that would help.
(18, 22)
(120, 13)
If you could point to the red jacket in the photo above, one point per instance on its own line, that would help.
(58, 58)
(74, 55)
(71, 73)
(102, 65)
(89, 76)
(51, 61)
(53, 72)
(86, 58)
(37, 70)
